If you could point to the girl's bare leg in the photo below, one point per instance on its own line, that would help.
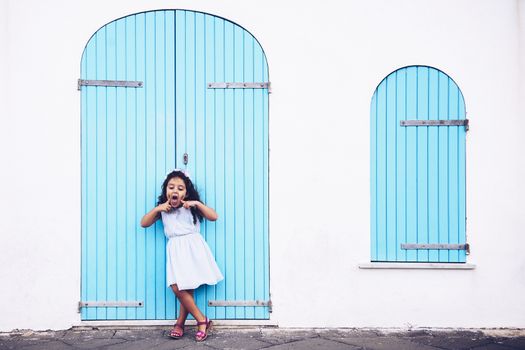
(183, 314)
(186, 300)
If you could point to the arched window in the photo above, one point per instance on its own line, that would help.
(418, 129)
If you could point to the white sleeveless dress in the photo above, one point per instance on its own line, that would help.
(189, 261)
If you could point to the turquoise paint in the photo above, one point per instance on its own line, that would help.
(417, 173)
(132, 137)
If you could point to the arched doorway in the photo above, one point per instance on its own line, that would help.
(162, 90)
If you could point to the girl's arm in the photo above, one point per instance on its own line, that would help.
(154, 214)
(206, 211)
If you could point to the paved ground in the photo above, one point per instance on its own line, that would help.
(263, 338)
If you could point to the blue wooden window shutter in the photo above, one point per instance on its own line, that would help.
(417, 168)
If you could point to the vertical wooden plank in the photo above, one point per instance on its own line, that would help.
(199, 137)
(220, 162)
(169, 134)
(111, 156)
(229, 175)
(238, 169)
(150, 165)
(91, 165)
(401, 114)
(265, 158)
(180, 98)
(249, 186)
(390, 169)
(443, 182)
(462, 215)
(84, 166)
(433, 174)
(259, 175)
(411, 162)
(381, 171)
(373, 177)
(209, 145)
(180, 89)
(132, 217)
(101, 185)
(141, 166)
(453, 161)
(84, 151)
(189, 77)
(120, 165)
(422, 162)
(160, 170)
(199, 79)
(180, 85)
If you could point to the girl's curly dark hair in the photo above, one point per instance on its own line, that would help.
(191, 193)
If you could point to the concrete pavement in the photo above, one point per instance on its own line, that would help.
(135, 338)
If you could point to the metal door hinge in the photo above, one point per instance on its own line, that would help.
(255, 303)
(438, 246)
(110, 83)
(185, 158)
(82, 304)
(445, 122)
(261, 85)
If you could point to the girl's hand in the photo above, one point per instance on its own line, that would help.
(207, 212)
(165, 207)
(154, 214)
(189, 204)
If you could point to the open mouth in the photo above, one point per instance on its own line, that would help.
(174, 198)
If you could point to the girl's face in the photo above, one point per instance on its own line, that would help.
(176, 191)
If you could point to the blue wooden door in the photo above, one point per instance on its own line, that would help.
(147, 108)
(418, 168)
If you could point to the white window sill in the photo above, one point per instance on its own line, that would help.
(410, 265)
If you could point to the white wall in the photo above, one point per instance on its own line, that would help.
(520, 273)
(325, 59)
(4, 45)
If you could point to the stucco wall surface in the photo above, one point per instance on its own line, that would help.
(325, 60)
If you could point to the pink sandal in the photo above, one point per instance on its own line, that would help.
(200, 335)
(175, 334)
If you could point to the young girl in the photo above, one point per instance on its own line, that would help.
(189, 261)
